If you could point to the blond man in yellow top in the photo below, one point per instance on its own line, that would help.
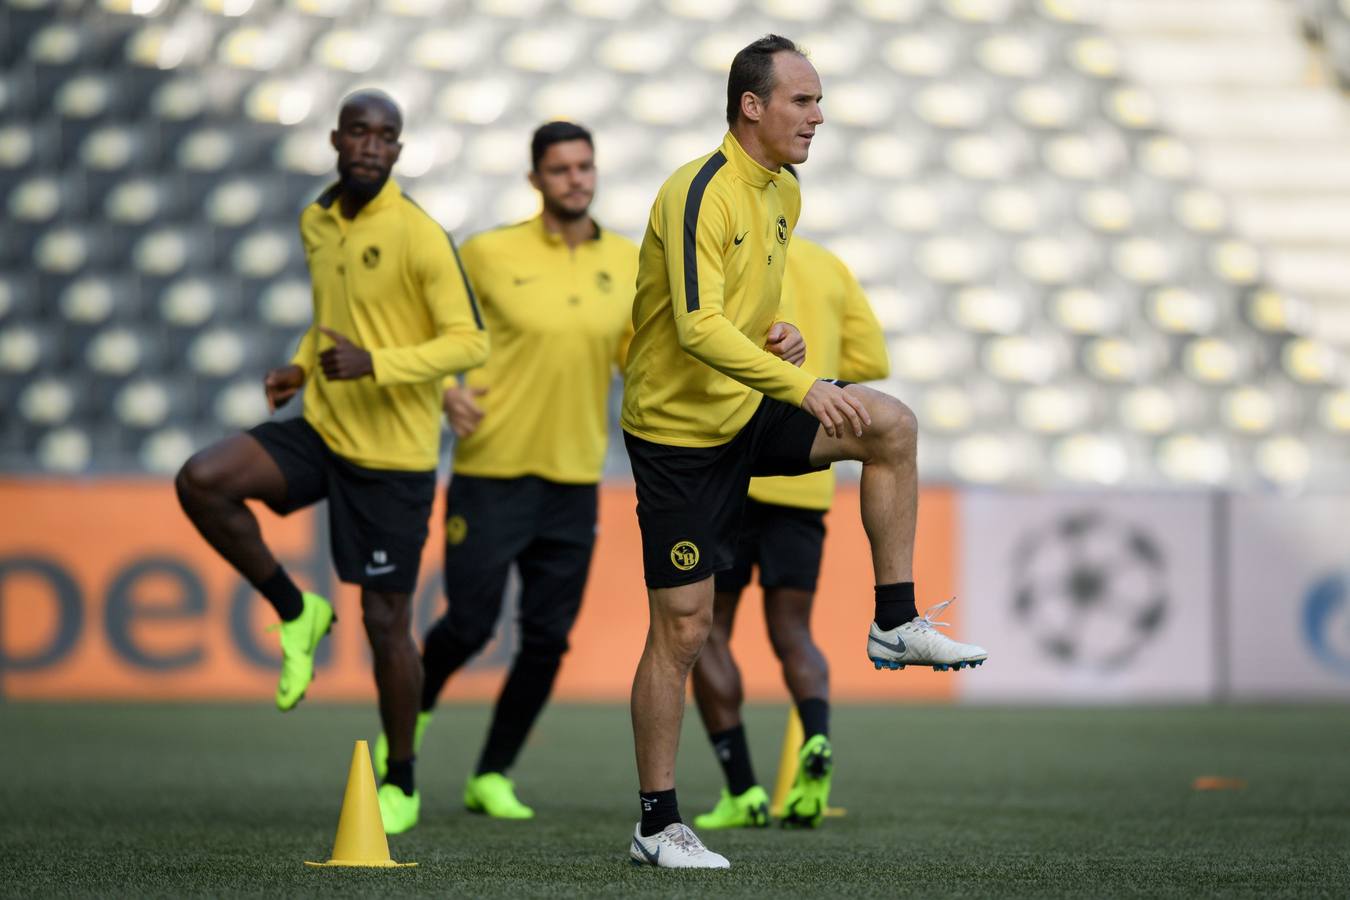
(532, 426)
(782, 534)
(393, 317)
(713, 396)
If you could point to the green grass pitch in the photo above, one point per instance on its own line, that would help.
(177, 801)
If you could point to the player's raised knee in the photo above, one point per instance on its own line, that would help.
(197, 476)
(895, 427)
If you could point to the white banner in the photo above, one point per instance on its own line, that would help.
(1290, 589)
(1088, 597)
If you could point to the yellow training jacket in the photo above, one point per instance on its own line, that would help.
(710, 274)
(560, 320)
(389, 280)
(843, 340)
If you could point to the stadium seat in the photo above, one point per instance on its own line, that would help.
(1065, 301)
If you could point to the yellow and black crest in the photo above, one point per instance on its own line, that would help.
(782, 229)
(684, 555)
(371, 257)
(456, 530)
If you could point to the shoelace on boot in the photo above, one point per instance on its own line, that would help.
(926, 622)
(684, 838)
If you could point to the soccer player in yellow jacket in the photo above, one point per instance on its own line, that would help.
(532, 427)
(782, 534)
(713, 395)
(393, 316)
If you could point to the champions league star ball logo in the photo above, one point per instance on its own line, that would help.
(1091, 589)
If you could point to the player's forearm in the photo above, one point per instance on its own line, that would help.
(715, 342)
(434, 360)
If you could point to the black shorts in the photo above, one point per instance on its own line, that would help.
(690, 499)
(377, 518)
(783, 541)
(545, 528)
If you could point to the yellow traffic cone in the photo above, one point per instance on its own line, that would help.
(787, 762)
(360, 833)
(793, 736)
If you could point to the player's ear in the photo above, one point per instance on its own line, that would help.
(751, 107)
(533, 178)
(333, 139)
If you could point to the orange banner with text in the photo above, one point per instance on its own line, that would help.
(107, 591)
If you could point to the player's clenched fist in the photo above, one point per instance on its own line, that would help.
(344, 360)
(281, 384)
(786, 342)
(462, 410)
(836, 409)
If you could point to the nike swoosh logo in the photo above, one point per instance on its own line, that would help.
(650, 857)
(740, 238)
(898, 646)
(379, 570)
(520, 281)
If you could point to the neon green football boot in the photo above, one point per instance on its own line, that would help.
(810, 795)
(494, 794)
(749, 810)
(398, 811)
(382, 745)
(299, 639)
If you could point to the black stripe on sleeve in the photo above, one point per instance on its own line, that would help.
(454, 251)
(468, 288)
(691, 204)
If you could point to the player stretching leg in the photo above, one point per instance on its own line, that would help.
(557, 295)
(713, 396)
(393, 316)
(782, 534)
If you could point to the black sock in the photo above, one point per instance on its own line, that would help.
(815, 715)
(401, 774)
(659, 809)
(895, 604)
(734, 755)
(522, 699)
(284, 596)
(442, 656)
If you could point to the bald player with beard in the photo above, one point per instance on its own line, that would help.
(393, 317)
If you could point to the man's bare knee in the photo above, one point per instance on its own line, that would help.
(387, 619)
(683, 634)
(894, 433)
(788, 639)
(199, 478)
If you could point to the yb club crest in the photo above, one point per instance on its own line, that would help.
(684, 556)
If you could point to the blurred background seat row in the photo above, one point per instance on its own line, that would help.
(1068, 298)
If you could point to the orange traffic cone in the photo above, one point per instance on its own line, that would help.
(360, 833)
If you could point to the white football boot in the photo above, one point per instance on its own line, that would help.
(676, 847)
(919, 643)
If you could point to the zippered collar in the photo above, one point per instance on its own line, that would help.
(745, 168)
(390, 194)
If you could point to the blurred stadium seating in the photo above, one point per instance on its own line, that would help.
(1069, 301)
